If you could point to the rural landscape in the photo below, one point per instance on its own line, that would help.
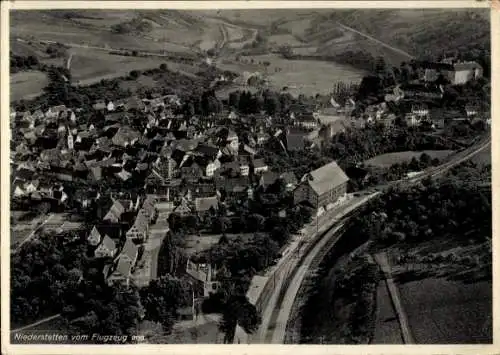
(270, 176)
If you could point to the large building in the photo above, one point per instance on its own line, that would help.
(322, 186)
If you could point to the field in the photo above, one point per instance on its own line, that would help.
(27, 84)
(442, 311)
(446, 300)
(89, 66)
(484, 157)
(22, 224)
(195, 244)
(386, 324)
(386, 160)
(306, 76)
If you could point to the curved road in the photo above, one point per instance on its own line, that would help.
(275, 314)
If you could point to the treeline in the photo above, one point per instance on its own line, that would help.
(20, 63)
(450, 207)
(136, 25)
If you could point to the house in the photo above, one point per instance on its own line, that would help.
(244, 169)
(321, 187)
(464, 72)
(290, 180)
(420, 111)
(54, 111)
(262, 138)
(471, 111)
(208, 165)
(202, 205)
(129, 251)
(116, 210)
(110, 106)
(125, 136)
(204, 275)
(106, 249)
(296, 139)
(100, 105)
(267, 179)
(259, 166)
(412, 120)
(32, 186)
(227, 137)
(183, 208)
(94, 238)
(121, 273)
(140, 228)
(306, 121)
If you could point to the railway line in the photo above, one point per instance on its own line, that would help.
(284, 296)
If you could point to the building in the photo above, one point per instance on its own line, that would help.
(322, 186)
(94, 238)
(259, 166)
(205, 276)
(106, 249)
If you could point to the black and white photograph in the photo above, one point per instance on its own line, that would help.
(248, 176)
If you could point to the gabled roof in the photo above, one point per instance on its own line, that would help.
(94, 233)
(125, 134)
(123, 267)
(108, 243)
(269, 178)
(259, 163)
(289, 177)
(115, 211)
(203, 204)
(326, 178)
(129, 249)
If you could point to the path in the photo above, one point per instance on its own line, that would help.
(35, 324)
(376, 40)
(383, 263)
(32, 234)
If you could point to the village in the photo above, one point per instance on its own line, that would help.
(129, 168)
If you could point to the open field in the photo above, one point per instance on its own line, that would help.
(26, 84)
(442, 311)
(448, 300)
(306, 76)
(386, 160)
(88, 64)
(22, 224)
(197, 243)
(483, 158)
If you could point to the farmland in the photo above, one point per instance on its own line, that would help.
(386, 160)
(442, 311)
(89, 66)
(305, 76)
(446, 290)
(24, 85)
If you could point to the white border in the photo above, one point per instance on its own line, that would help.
(232, 349)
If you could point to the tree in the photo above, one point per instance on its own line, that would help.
(162, 299)
(134, 74)
(256, 222)
(238, 311)
(286, 51)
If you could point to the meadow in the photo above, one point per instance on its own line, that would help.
(27, 84)
(307, 77)
(386, 160)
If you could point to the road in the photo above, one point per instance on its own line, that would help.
(384, 265)
(290, 284)
(35, 324)
(33, 233)
(376, 40)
